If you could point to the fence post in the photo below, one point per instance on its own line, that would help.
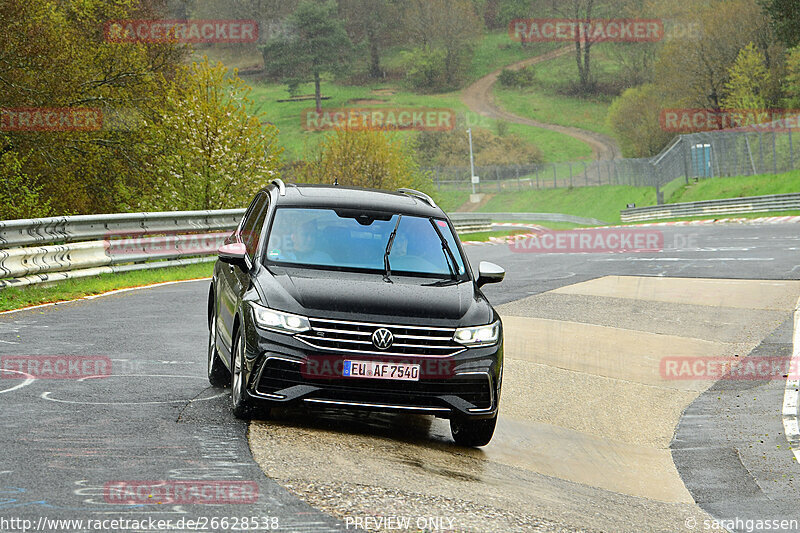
(774, 153)
(497, 178)
(585, 173)
(519, 185)
(791, 151)
(555, 177)
(570, 174)
(438, 184)
(686, 153)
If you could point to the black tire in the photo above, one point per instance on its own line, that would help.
(218, 375)
(240, 402)
(472, 432)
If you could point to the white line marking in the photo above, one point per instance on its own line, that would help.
(791, 396)
(46, 395)
(688, 259)
(92, 297)
(30, 379)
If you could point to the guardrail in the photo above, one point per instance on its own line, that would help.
(87, 245)
(50, 249)
(729, 206)
(528, 217)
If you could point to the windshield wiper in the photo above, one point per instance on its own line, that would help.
(448, 254)
(387, 268)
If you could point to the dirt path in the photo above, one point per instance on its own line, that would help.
(478, 97)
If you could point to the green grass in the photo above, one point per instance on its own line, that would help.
(288, 116)
(71, 289)
(496, 50)
(545, 101)
(603, 202)
(737, 187)
(554, 146)
(449, 200)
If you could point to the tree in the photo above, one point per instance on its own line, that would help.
(584, 10)
(19, 196)
(748, 81)
(54, 55)
(634, 118)
(373, 158)
(785, 19)
(370, 22)
(694, 72)
(317, 44)
(210, 151)
(792, 81)
(449, 26)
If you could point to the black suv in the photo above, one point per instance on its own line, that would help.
(362, 299)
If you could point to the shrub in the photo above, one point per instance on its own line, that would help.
(524, 77)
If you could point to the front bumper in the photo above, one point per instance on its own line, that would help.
(284, 371)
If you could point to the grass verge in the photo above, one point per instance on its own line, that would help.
(71, 289)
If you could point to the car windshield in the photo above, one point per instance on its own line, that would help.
(358, 240)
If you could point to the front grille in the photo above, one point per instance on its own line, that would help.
(356, 337)
(278, 374)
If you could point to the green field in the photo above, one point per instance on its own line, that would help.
(70, 289)
(605, 202)
(737, 187)
(546, 100)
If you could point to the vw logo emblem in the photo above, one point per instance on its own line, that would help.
(382, 338)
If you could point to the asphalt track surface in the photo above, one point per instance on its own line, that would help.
(156, 418)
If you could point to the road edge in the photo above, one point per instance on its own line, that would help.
(791, 394)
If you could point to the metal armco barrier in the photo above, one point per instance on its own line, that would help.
(526, 217)
(730, 206)
(87, 245)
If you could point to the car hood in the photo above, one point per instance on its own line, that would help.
(369, 298)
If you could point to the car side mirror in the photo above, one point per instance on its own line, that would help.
(235, 254)
(490, 273)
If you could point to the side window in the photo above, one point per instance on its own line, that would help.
(251, 229)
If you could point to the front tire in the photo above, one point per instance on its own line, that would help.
(241, 402)
(472, 432)
(218, 375)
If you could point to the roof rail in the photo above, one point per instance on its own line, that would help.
(420, 195)
(281, 186)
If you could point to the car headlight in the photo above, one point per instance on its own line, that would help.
(478, 335)
(279, 321)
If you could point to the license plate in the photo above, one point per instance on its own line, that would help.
(379, 370)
